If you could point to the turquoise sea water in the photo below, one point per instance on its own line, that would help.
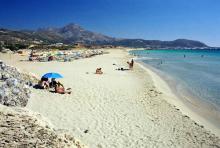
(197, 72)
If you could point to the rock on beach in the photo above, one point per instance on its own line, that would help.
(14, 86)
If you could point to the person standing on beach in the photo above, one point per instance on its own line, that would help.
(131, 64)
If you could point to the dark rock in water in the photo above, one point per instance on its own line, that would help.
(14, 88)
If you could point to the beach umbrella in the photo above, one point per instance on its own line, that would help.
(52, 75)
(60, 53)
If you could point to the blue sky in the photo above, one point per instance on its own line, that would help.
(147, 19)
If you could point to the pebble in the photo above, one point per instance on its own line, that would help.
(86, 131)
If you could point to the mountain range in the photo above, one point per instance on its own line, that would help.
(73, 33)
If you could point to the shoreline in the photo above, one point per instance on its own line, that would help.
(116, 109)
(181, 103)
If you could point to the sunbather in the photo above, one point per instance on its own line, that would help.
(61, 90)
(120, 68)
(99, 71)
(43, 83)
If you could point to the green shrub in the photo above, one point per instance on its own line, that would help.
(14, 47)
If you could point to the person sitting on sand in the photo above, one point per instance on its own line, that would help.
(99, 71)
(43, 83)
(59, 88)
(131, 64)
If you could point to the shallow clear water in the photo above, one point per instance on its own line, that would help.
(195, 71)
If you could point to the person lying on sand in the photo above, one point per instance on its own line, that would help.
(122, 69)
(43, 83)
(59, 88)
(99, 71)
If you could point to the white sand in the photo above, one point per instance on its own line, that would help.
(190, 107)
(118, 108)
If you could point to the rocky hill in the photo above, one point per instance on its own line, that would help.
(73, 33)
(140, 43)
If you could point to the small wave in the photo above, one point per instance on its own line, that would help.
(145, 58)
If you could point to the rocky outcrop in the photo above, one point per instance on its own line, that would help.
(22, 128)
(14, 86)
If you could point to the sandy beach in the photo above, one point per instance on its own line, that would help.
(118, 108)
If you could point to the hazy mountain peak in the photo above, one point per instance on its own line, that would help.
(72, 33)
(73, 26)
